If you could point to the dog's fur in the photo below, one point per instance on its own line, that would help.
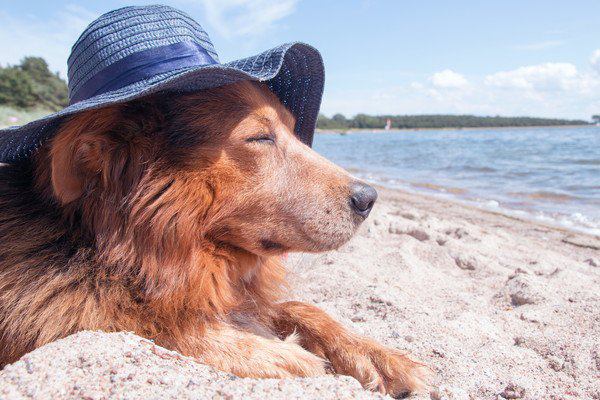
(167, 217)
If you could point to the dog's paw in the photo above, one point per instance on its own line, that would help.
(379, 368)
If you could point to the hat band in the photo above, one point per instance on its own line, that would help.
(143, 65)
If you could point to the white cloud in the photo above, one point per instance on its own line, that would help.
(554, 90)
(50, 37)
(541, 77)
(448, 79)
(548, 44)
(232, 18)
(595, 60)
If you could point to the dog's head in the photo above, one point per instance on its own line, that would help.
(221, 166)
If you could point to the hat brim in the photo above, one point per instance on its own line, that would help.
(294, 72)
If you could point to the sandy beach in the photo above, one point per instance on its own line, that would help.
(497, 307)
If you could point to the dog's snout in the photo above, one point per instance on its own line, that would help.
(362, 198)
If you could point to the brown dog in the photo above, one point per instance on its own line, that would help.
(166, 217)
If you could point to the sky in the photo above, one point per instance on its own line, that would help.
(512, 58)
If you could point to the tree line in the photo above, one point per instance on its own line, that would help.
(364, 121)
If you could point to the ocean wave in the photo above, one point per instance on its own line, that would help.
(582, 187)
(470, 168)
(438, 188)
(573, 221)
(545, 195)
(528, 210)
(593, 161)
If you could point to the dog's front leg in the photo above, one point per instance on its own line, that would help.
(248, 355)
(376, 367)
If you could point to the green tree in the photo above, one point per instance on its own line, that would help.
(50, 90)
(16, 88)
(340, 120)
(32, 84)
(36, 68)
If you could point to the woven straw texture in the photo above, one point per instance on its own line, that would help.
(294, 72)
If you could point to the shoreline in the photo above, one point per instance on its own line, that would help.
(462, 196)
(519, 215)
(453, 195)
(392, 130)
(418, 196)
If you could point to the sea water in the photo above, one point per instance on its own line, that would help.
(549, 174)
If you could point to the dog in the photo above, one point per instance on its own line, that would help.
(167, 216)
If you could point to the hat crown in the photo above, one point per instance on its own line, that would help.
(127, 31)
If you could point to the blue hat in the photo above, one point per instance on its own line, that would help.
(136, 51)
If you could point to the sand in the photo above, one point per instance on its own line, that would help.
(498, 307)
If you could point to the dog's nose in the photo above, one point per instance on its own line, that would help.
(362, 198)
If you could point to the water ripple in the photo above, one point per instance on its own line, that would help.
(552, 173)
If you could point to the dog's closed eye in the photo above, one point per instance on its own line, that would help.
(268, 138)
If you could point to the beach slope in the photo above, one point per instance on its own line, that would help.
(496, 306)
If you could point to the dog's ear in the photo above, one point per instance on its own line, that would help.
(78, 150)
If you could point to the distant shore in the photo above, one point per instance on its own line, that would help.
(470, 128)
